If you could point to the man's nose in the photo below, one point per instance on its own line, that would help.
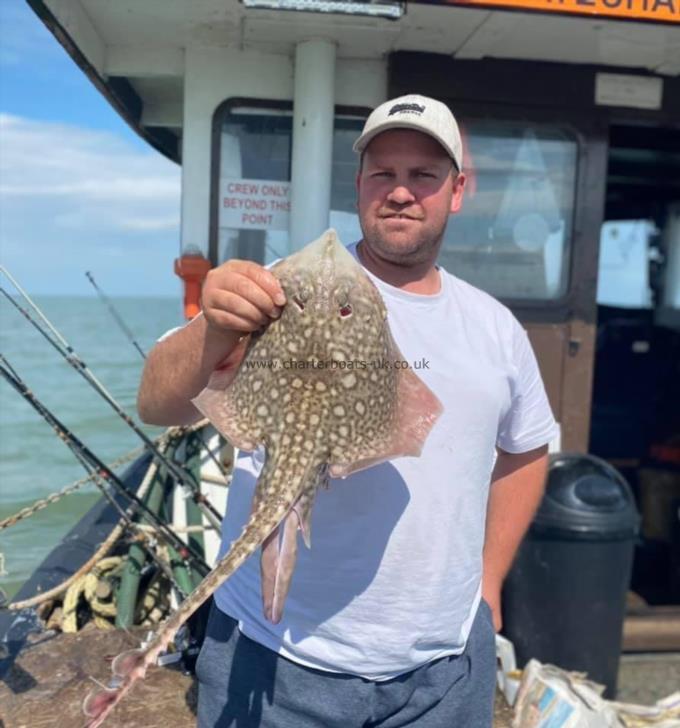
(401, 195)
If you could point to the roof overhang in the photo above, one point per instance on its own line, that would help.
(118, 90)
(134, 51)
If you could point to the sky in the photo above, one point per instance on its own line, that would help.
(79, 190)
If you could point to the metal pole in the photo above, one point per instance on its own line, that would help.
(313, 112)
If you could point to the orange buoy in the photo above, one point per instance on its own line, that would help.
(192, 268)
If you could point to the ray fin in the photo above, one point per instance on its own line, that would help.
(231, 402)
(416, 413)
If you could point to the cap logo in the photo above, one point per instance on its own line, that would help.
(406, 109)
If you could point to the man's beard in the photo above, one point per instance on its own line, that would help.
(423, 248)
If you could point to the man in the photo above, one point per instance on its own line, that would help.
(384, 624)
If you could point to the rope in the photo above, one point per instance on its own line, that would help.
(117, 531)
(60, 588)
(154, 604)
(151, 607)
(111, 539)
(54, 497)
(87, 586)
(145, 528)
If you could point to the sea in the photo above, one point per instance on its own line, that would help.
(34, 462)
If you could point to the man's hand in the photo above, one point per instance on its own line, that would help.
(516, 490)
(238, 297)
(492, 596)
(241, 296)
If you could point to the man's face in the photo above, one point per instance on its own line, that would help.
(406, 190)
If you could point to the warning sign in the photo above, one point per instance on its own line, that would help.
(662, 11)
(254, 204)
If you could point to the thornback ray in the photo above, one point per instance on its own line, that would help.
(319, 390)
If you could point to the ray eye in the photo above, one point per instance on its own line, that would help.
(346, 310)
(299, 301)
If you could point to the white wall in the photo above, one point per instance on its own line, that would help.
(213, 75)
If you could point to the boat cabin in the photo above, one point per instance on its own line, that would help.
(570, 113)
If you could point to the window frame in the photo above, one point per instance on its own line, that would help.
(467, 114)
(227, 107)
(591, 134)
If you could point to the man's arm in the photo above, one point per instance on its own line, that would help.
(516, 490)
(177, 369)
(238, 297)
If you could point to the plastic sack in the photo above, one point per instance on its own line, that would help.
(665, 713)
(549, 697)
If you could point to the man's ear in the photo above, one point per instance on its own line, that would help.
(357, 185)
(458, 189)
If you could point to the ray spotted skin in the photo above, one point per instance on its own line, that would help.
(317, 389)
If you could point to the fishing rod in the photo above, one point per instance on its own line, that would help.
(184, 478)
(115, 314)
(132, 340)
(130, 337)
(93, 463)
(126, 516)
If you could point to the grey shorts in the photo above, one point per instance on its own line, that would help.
(245, 685)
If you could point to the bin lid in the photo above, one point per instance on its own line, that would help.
(586, 498)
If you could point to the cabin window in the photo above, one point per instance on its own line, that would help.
(512, 235)
(251, 187)
(624, 270)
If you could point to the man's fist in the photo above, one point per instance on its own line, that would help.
(240, 295)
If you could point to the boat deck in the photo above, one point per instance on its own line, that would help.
(51, 676)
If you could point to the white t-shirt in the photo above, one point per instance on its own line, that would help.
(393, 577)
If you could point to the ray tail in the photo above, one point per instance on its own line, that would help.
(129, 666)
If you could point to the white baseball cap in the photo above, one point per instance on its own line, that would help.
(421, 113)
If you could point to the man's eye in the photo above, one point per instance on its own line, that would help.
(425, 174)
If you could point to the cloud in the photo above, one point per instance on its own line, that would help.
(151, 223)
(68, 193)
(81, 167)
(80, 178)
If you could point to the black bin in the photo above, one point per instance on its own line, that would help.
(564, 600)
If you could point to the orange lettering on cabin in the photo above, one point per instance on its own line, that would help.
(664, 11)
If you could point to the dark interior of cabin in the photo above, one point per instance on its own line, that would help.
(636, 389)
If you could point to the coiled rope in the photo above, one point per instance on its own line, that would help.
(87, 586)
(118, 530)
(111, 539)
